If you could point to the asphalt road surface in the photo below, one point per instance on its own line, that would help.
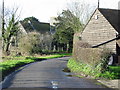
(47, 74)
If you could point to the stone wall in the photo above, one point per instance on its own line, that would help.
(90, 56)
(99, 30)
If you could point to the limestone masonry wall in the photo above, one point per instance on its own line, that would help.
(98, 31)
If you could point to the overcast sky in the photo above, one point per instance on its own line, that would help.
(44, 9)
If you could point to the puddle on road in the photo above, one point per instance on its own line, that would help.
(67, 72)
(69, 75)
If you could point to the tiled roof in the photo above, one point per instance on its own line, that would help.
(113, 16)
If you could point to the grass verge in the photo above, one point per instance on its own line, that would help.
(10, 64)
(113, 72)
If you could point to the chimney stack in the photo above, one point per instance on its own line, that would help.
(98, 3)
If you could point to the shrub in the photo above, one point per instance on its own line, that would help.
(36, 50)
(79, 67)
(87, 55)
(95, 57)
(113, 72)
(84, 44)
(30, 44)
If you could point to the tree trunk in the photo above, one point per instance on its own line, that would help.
(67, 47)
(70, 46)
(7, 49)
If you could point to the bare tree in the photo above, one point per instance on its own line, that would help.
(46, 41)
(81, 10)
(10, 27)
(0, 34)
(30, 44)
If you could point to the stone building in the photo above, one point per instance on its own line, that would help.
(102, 29)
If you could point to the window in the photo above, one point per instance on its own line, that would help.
(96, 17)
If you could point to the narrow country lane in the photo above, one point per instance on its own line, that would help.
(40, 74)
